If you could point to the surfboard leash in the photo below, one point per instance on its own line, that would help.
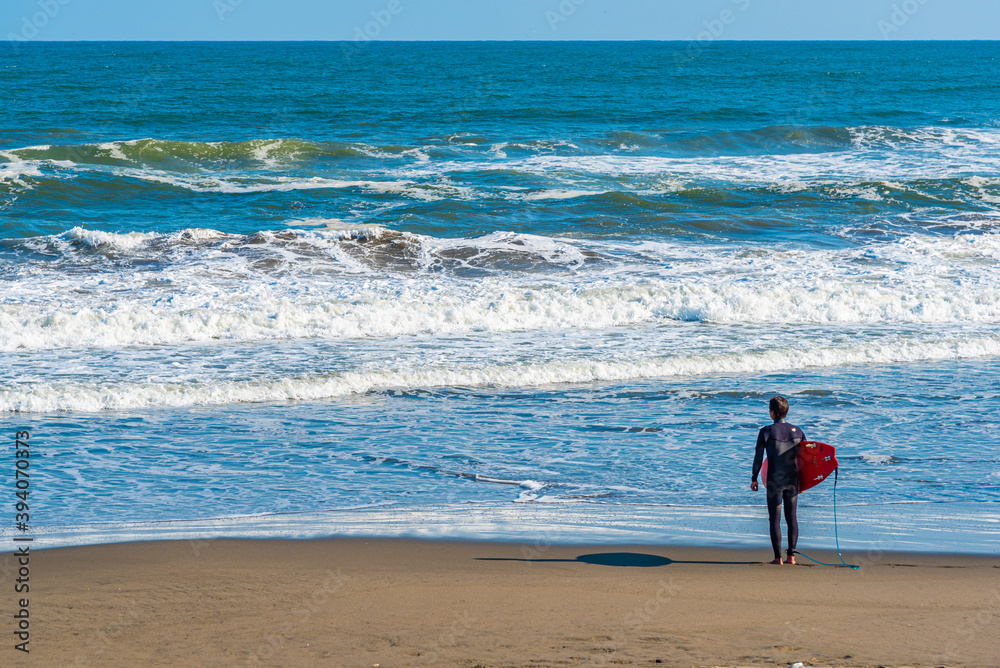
(836, 533)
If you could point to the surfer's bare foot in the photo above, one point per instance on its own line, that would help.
(790, 560)
(777, 562)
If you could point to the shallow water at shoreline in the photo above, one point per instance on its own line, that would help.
(674, 456)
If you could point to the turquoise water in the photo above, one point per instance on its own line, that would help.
(508, 290)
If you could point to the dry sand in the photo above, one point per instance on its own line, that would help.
(355, 602)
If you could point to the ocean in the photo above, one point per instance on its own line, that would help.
(534, 292)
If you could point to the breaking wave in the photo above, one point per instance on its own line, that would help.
(50, 396)
(92, 288)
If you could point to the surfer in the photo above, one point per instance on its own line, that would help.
(781, 443)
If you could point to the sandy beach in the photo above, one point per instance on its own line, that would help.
(387, 602)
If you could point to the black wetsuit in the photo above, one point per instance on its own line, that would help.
(781, 443)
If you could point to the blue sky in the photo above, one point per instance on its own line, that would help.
(498, 19)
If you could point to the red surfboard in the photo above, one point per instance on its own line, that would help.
(816, 462)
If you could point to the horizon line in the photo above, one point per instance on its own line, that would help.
(494, 41)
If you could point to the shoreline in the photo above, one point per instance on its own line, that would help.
(409, 602)
(921, 529)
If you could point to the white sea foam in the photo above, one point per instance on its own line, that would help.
(555, 194)
(868, 193)
(431, 191)
(530, 490)
(100, 317)
(980, 184)
(47, 395)
(283, 285)
(123, 242)
(877, 136)
(876, 156)
(113, 149)
(238, 184)
(931, 153)
(15, 169)
(877, 459)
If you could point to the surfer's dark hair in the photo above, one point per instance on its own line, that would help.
(779, 406)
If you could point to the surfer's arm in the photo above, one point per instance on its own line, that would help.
(758, 458)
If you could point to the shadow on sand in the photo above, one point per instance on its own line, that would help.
(627, 559)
